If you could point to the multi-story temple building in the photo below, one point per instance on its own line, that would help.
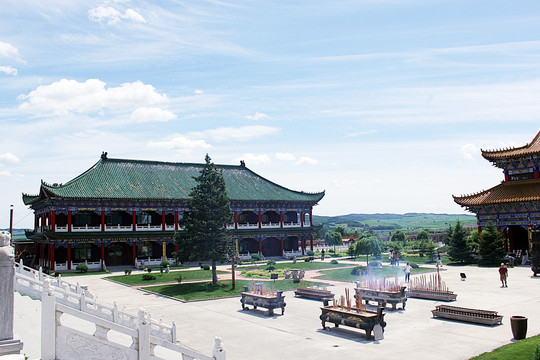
(121, 211)
(513, 205)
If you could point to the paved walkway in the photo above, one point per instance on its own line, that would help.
(410, 334)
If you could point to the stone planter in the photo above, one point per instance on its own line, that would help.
(519, 327)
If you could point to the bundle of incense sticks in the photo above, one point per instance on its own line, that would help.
(348, 299)
(431, 283)
(381, 284)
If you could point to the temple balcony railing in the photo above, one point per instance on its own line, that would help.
(84, 228)
(248, 226)
(291, 224)
(149, 227)
(270, 225)
(118, 227)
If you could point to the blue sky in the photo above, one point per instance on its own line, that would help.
(385, 105)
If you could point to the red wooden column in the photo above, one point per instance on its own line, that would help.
(303, 244)
(236, 219)
(506, 177)
(260, 245)
(53, 220)
(537, 174)
(134, 253)
(102, 254)
(51, 267)
(260, 219)
(163, 220)
(281, 245)
(505, 235)
(311, 218)
(69, 221)
(69, 256)
(36, 223)
(311, 242)
(134, 220)
(281, 218)
(301, 219)
(176, 220)
(102, 220)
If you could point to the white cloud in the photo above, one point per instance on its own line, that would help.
(252, 159)
(198, 91)
(152, 114)
(9, 158)
(5, 173)
(180, 143)
(8, 70)
(257, 116)
(469, 151)
(239, 133)
(112, 16)
(361, 133)
(66, 96)
(9, 51)
(304, 160)
(285, 156)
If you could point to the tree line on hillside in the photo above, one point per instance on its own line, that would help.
(460, 245)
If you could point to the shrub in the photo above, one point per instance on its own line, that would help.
(357, 270)
(270, 268)
(414, 265)
(332, 251)
(310, 253)
(127, 272)
(270, 262)
(205, 267)
(82, 268)
(307, 259)
(296, 280)
(178, 278)
(149, 270)
(334, 261)
(255, 257)
(148, 277)
(164, 264)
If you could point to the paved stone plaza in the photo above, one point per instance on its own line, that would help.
(410, 334)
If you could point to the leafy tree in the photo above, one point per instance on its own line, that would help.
(473, 241)
(399, 236)
(491, 247)
(458, 248)
(368, 245)
(448, 235)
(333, 238)
(423, 235)
(341, 230)
(430, 251)
(205, 236)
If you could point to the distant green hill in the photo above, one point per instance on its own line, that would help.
(392, 222)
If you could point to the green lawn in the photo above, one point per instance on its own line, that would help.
(64, 274)
(300, 265)
(187, 275)
(520, 350)
(386, 271)
(205, 290)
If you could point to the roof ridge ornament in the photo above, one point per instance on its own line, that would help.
(104, 155)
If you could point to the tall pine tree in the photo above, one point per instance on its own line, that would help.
(458, 248)
(491, 247)
(204, 236)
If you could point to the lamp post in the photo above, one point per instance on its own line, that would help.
(11, 222)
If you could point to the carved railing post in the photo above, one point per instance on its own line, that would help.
(7, 301)
(218, 353)
(48, 322)
(143, 328)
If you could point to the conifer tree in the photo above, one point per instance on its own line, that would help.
(458, 247)
(204, 236)
(491, 247)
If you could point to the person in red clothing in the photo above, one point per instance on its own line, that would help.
(503, 272)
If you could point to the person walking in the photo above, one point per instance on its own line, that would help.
(503, 272)
(322, 255)
(407, 272)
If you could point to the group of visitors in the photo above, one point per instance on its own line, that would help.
(393, 256)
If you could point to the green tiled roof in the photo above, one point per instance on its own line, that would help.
(153, 180)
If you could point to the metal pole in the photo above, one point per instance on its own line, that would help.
(11, 223)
